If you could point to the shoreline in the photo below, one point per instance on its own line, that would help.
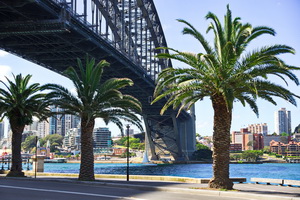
(177, 162)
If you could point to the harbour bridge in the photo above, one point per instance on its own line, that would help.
(126, 33)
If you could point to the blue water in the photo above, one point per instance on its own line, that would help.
(289, 171)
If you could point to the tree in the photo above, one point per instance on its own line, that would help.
(200, 146)
(252, 155)
(95, 99)
(54, 139)
(235, 157)
(284, 134)
(201, 154)
(297, 129)
(19, 102)
(122, 141)
(134, 143)
(29, 143)
(266, 149)
(225, 73)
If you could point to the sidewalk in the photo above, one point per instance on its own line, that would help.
(247, 190)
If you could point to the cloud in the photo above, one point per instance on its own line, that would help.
(4, 71)
(3, 53)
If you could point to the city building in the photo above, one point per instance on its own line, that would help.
(61, 124)
(102, 138)
(119, 151)
(25, 134)
(268, 138)
(31, 127)
(43, 129)
(247, 140)
(235, 147)
(1, 130)
(243, 137)
(296, 137)
(39, 128)
(290, 149)
(282, 119)
(258, 141)
(258, 128)
(72, 139)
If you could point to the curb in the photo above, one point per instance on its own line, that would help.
(165, 189)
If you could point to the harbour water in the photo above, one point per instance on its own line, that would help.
(267, 170)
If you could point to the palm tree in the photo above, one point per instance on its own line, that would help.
(95, 99)
(226, 74)
(20, 102)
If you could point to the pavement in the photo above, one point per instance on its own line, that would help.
(242, 190)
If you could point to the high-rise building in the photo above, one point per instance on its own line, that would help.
(258, 128)
(31, 127)
(43, 128)
(1, 130)
(61, 124)
(102, 138)
(72, 139)
(282, 119)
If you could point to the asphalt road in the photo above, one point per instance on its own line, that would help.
(50, 190)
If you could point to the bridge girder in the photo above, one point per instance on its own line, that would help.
(126, 33)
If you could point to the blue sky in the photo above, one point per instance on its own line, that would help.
(282, 15)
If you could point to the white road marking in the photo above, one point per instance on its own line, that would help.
(69, 192)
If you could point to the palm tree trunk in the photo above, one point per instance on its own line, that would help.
(221, 141)
(87, 154)
(16, 165)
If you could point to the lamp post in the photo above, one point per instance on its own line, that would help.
(127, 151)
(35, 164)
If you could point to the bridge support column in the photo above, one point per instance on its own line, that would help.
(187, 134)
(169, 136)
(148, 139)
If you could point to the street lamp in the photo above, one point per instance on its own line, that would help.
(127, 151)
(37, 145)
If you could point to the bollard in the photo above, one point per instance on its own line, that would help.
(38, 165)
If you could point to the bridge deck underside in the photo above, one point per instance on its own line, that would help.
(39, 33)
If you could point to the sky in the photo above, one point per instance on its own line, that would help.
(281, 15)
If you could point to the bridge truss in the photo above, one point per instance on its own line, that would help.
(126, 33)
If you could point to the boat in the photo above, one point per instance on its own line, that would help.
(55, 160)
(146, 161)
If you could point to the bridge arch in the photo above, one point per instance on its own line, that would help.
(53, 33)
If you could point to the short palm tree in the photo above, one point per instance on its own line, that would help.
(226, 74)
(95, 99)
(20, 102)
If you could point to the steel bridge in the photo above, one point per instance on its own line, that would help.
(126, 33)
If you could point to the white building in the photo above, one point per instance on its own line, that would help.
(43, 129)
(282, 119)
(258, 128)
(72, 139)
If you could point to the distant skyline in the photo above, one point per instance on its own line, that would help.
(282, 15)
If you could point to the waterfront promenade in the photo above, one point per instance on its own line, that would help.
(154, 188)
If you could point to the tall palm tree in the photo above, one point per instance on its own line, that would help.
(225, 73)
(95, 99)
(20, 102)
